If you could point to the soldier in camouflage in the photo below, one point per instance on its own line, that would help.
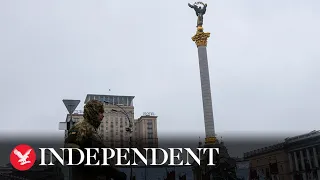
(84, 135)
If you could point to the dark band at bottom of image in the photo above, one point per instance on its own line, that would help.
(281, 158)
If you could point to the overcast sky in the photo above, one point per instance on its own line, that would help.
(263, 59)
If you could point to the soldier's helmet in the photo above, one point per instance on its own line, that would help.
(91, 112)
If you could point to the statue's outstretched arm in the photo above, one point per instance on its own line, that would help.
(190, 5)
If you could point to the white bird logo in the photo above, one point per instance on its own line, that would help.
(22, 158)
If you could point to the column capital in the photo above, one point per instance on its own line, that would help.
(201, 38)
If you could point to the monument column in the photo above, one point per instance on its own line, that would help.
(201, 41)
(200, 38)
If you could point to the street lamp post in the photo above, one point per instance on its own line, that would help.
(128, 129)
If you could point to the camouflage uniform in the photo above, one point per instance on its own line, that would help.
(84, 135)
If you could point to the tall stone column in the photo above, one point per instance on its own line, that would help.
(315, 156)
(296, 161)
(304, 175)
(200, 38)
(290, 165)
(290, 162)
(309, 161)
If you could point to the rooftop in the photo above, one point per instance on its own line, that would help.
(264, 150)
(302, 136)
(112, 99)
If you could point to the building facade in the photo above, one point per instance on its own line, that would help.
(146, 130)
(113, 128)
(269, 163)
(111, 99)
(296, 159)
(303, 152)
(117, 111)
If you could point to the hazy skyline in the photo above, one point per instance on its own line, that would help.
(263, 62)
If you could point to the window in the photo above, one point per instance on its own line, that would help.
(150, 135)
(150, 142)
(150, 125)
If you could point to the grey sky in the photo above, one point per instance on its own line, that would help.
(263, 60)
